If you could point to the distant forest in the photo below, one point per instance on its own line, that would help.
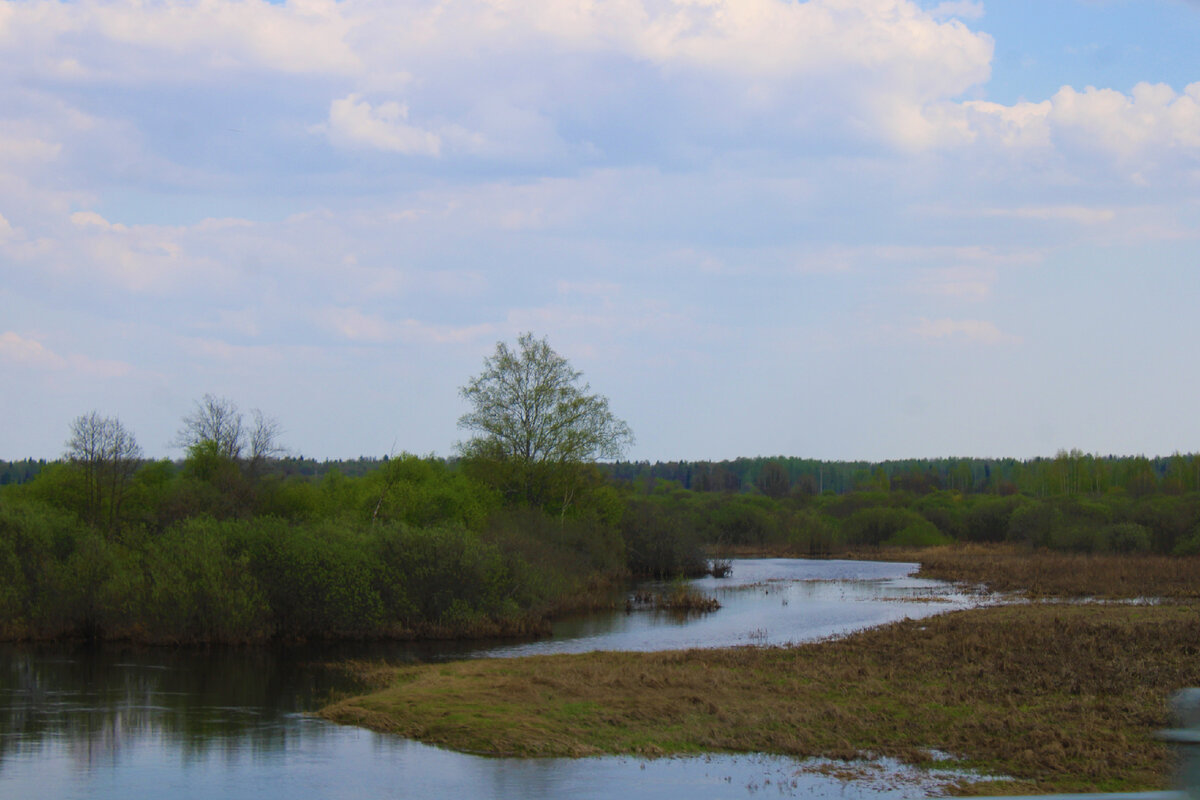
(1067, 473)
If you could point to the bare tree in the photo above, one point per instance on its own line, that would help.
(264, 439)
(214, 419)
(107, 455)
(218, 420)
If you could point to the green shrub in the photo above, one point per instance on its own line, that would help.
(809, 532)
(988, 518)
(658, 544)
(921, 533)
(196, 590)
(875, 526)
(1126, 537)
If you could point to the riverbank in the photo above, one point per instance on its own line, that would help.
(1060, 695)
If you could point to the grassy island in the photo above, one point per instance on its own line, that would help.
(1061, 696)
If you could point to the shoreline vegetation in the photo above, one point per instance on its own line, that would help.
(1056, 694)
(228, 549)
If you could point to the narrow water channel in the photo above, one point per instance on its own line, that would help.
(121, 722)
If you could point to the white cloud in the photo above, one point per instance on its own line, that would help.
(18, 149)
(1078, 214)
(973, 330)
(357, 326)
(1153, 116)
(14, 347)
(963, 9)
(966, 283)
(134, 41)
(353, 324)
(355, 123)
(1151, 127)
(28, 351)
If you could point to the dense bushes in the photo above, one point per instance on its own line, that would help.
(212, 554)
(213, 551)
(249, 580)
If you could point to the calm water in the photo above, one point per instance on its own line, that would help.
(119, 722)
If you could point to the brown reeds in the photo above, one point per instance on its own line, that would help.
(1054, 574)
(681, 598)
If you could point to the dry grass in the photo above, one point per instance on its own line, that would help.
(1062, 698)
(1052, 574)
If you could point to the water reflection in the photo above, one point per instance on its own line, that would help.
(764, 602)
(121, 722)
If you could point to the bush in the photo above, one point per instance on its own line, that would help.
(987, 520)
(875, 526)
(1036, 524)
(443, 575)
(319, 579)
(1126, 537)
(658, 545)
(921, 533)
(196, 590)
(810, 533)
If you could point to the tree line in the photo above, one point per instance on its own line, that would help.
(239, 542)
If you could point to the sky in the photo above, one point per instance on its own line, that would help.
(837, 229)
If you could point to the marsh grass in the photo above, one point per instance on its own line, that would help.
(1053, 574)
(1060, 697)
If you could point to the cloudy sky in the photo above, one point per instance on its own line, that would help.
(834, 228)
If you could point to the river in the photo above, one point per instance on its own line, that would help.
(121, 722)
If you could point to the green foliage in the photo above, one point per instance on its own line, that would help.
(1126, 537)
(658, 543)
(198, 590)
(809, 532)
(988, 519)
(445, 576)
(875, 526)
(423, 492)
(317, 578)
(742, 519)
(947, 511)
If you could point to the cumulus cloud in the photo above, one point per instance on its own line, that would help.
(963, 9)
(973, 330)
(1152, 126)
(135, 42)
(1153, 116)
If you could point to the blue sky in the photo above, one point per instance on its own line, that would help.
(834, 228)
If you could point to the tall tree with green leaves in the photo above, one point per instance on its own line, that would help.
(535, 419)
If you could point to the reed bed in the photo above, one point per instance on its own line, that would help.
(1055, 574)
(681, 598)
